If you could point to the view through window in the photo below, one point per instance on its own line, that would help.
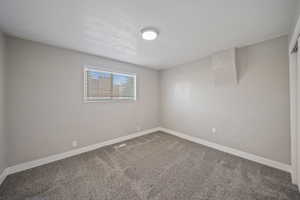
(101, 85)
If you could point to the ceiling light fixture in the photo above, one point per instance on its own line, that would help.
(149, 33)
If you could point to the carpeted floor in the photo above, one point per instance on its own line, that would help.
(155, 166)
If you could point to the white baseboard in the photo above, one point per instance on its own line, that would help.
(248, 156)
(56, 157)
(3, 175)
(49, 159)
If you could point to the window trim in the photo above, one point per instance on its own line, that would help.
(106, 99)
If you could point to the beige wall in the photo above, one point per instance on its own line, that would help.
(45, 101)
(252, 116)
(296, 17)
(3, 163)
(45, 109)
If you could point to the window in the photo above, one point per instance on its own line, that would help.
(104, 85)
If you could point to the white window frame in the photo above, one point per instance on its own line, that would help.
(104, 99)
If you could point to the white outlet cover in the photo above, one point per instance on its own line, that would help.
(74, 143)
(213, 130)
(138, 128)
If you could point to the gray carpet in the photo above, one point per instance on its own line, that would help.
(155, 166)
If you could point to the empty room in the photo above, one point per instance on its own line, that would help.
(149, 100)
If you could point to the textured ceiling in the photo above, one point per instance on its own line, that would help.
(188, 29)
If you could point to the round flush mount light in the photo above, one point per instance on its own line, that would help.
(149, 33)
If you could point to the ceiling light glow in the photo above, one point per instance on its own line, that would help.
(149, 33)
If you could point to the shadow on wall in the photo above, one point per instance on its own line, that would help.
(241, 63)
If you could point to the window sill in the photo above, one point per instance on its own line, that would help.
(109, 100)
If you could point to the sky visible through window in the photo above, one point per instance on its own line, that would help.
(118, 79)
(108, 85)
(98, 75)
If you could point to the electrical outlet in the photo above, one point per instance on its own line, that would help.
(74, 143)
(138, 128)
(213, 130)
